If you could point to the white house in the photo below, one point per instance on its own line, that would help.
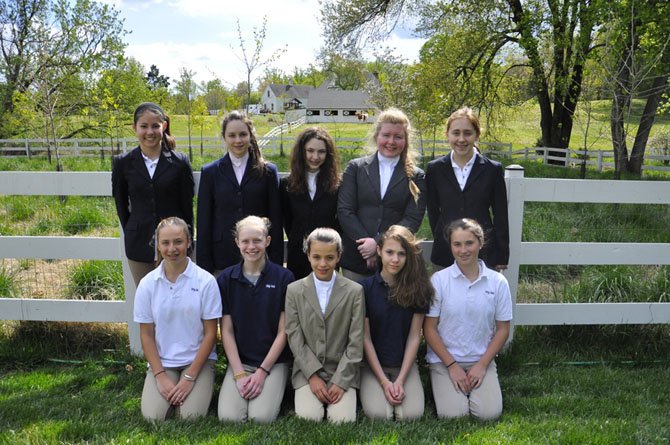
(277, 98)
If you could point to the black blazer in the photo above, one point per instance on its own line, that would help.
(483, 199)
(362, 213)
(301, 216)
(222, 202)
(142, 201)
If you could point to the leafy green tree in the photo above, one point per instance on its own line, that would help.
(555, 37)
(637, 58)
(52, 48)
(346, 72)
(215, 94)
(155, 79)
(200, 113)
(186, 89)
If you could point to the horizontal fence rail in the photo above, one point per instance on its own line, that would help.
(520, 190)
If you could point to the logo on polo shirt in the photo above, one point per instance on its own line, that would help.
(490, 292)
(270, 286)
(194, 289)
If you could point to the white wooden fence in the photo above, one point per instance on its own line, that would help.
(520, 190)
(598, 159)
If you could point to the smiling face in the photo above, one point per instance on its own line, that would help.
(149, 131)
(393, 257)
(173, 244)
(462, 136)
(391, 140)
(237, 138)
(465, 247)
(252, 241)
(323, 257)
(315, 154)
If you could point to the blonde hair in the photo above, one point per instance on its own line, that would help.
(409, 155)
(262, 223)
(171, 221)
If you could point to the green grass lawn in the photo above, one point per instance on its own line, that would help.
(560, 385)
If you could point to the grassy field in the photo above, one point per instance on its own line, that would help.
(67, 383)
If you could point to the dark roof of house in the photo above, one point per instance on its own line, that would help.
(291, 91)
(355, 100)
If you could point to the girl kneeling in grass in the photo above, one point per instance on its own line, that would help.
(396, 300)
(252, 328)
(324, 325)
(178, 306)
(466, 327)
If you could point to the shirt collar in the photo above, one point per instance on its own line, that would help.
(188, 272)
(328, 284)
(467, 164)
(239, 162)
(238, 272)
(483, 270)
(392, 162)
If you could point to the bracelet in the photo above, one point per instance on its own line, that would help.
(188, 378)
(239, 375)
(451, 364)
(264, 370)
(159, 373)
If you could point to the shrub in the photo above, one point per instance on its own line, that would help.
(8, 283)
(97, 280)
(87, 217)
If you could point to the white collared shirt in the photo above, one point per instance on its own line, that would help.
(468, 311)
(386, 167)
(323, 290)
(239, 166)
(311, 183)
(462, 174)
(151, 164)
(177, 310)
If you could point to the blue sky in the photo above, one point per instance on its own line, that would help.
(201, 35)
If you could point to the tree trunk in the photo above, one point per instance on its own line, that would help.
(646, 122)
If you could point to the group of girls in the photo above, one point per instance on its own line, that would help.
(363, 222)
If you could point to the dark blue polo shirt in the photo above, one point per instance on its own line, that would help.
(255, 309)
(389, 323)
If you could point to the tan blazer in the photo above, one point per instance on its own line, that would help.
(330, 344)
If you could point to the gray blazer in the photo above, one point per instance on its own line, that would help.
(363, 213)
(331, 344)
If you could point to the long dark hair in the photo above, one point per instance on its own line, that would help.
(329, 176)
(258, 163)
(412, 286)
(168, 142)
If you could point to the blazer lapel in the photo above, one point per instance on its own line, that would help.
(450, 172)
(477, 169)
(226, 168)
(164, 162)
(372, 170)
(336, 296)
(396, 177)
(139, 165)
(310, 294)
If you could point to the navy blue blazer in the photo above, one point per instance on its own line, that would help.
(222, 202)
(483, 199)
(142, 201)
(303, 214)
(363, 213)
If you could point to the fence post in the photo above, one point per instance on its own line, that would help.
(600, 161)
(28, 153)
(514, 175)
(546, 156)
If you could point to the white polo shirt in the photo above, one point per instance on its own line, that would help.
(468, 311)
(177, 311)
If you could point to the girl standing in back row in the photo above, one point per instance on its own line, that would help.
(465, 184)
(309, 193)
(380, 190)
(240, 184)
(150, 183)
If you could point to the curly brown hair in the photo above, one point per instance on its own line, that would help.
(329, 176)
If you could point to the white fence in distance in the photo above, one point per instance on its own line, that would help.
(520, 190)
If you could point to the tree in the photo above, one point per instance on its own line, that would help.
(199, 117)
(555, 37)
(638, 63)
(346, 73)
(156, 80)
(52, 48)
(215, 94)
(254, 60)
(186, 89)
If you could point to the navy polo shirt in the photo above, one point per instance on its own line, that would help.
(255, 309)
(389, 323)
